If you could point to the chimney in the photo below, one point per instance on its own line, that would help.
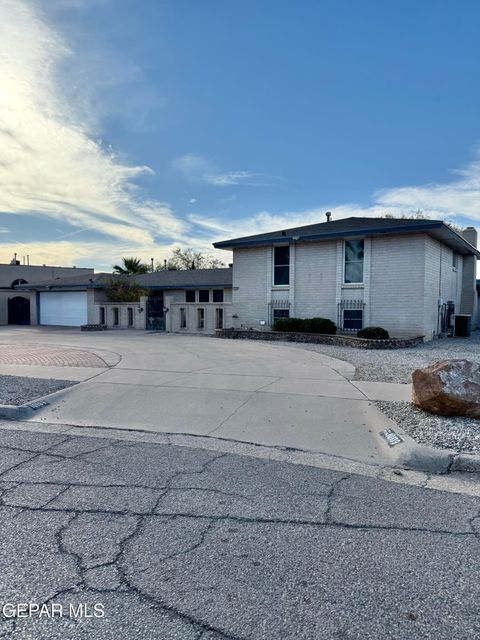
(469, 275)
(470, 235)
(329, 215)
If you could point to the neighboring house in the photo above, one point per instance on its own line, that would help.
(404, 275)
(20, 307)
(193, 301)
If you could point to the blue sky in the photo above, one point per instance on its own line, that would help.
(131, 127)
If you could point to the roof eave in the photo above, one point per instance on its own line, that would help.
(423, 227)
(227, 244)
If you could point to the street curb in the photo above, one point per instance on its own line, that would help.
(15, 412)
(408, 454)
(28, 409)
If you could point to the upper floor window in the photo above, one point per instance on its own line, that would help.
(353, 261)
(204, 295)
(281, 268)
(190, 295)
(217, 295)
(455, 260)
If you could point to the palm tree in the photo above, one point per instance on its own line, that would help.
(130, 266)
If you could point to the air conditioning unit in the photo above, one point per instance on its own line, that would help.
(462, 325)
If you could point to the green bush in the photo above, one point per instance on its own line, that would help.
(373, 333)
(305, 325)
(119, 290)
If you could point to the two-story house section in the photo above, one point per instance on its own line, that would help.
(400, 274)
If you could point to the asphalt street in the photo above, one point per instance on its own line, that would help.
(190, 543)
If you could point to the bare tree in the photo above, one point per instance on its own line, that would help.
(190, 259)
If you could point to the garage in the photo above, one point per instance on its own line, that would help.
(63, 308)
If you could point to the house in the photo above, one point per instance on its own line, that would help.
(20, 307)
(197, 300)
(407, 276)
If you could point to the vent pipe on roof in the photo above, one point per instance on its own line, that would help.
(329, 215)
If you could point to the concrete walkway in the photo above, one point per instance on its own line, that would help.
(252, 392)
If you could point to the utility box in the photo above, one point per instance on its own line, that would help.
(462, 325)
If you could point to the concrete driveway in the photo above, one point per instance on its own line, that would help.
(248, 391)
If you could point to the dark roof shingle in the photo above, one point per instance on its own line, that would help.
(355, 226)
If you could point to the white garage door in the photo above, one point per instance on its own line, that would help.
(67, 308)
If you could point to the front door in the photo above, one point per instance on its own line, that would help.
(19, 310)
(155, 313)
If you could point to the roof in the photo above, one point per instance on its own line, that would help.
(167, 279)
(83, 281)
(348, 227)
(185, 278)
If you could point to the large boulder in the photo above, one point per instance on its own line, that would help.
(449, 388)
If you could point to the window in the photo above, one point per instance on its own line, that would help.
(352, 319)
(189, 296)
(280, 313)
(217, 295)
(18, 281)
(201, 318)
(102, 315)
(130, 316)
(204, 295)
(281, 268)
(219, 318)
(353, 261)
(115, 316)
(455, 260)
(183, 318)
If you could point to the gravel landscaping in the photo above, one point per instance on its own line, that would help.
(458, 434)
(16, 390)
(397, 365)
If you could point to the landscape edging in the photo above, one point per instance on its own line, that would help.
(319, 338)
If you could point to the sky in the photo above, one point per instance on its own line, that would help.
(130, 127)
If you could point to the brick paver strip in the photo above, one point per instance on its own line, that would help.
(41, 355)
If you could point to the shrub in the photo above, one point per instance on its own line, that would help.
(288, 324)
(373, 333)
(305, 325)
(119, 290)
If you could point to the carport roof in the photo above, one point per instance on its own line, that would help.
(169, 279)
(351, 227)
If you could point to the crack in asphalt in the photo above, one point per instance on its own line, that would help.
(330, 496)
(123, 544)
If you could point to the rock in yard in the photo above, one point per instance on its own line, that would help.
(449, 388)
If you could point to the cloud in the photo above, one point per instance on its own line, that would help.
(456, 200)
(197, 169)
(51, 163)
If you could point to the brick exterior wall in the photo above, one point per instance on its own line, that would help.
(404, 277)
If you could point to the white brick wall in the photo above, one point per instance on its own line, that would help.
(397, 284)
(403, 276)
(315, 280)
(251, 285)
